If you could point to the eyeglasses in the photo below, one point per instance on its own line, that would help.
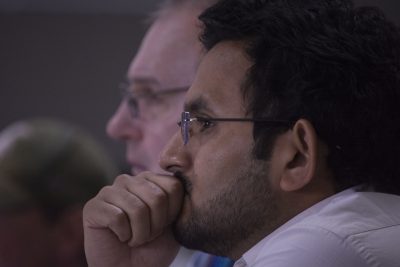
(149, 97)
(193, 125)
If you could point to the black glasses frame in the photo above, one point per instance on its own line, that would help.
(186, 118)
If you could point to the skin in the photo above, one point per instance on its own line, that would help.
(129, 223)
(228, 176)
(218, 171)
(168, 58)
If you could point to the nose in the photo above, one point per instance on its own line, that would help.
(122, 126)
(175, 157)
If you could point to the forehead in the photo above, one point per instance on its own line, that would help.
(170, 52)
(218, 82)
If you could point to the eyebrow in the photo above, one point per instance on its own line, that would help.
(153, 83)
(145, 83)
(197, 105)
(142, 80)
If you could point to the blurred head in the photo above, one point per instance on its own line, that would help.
(157, 79)
(48, 170)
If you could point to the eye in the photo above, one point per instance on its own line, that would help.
(132, 101)
(151, 97)
(204, 123)
(133, 106)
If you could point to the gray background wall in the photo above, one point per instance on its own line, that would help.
(65, 58)
(66, 67)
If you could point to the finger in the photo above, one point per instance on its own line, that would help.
(174, 192)
(99, 214)
(135, 209)
(154, 197)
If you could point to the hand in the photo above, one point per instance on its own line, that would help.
(128, 223)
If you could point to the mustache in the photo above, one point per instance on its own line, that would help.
(187, 185)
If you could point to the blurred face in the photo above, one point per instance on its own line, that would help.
(157, 79)
(229, 197)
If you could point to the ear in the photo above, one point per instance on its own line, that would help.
(301, 153)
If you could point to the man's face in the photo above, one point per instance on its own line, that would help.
(166, 61)
(229, 197)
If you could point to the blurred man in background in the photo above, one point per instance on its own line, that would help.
(48, 170)
(157, 79)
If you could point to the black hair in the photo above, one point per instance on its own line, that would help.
(330, 63)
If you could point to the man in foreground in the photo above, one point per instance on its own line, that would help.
(286, 154)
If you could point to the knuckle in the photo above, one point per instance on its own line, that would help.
(138, 209)
(146, 174)
(106, 189)
(121, 179)
(118, 220)
(141, 211)
(159, 199)
(104, 192)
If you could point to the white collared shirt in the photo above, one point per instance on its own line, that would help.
(349, 229)
(183, 258)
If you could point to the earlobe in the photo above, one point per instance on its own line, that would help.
(302, 146)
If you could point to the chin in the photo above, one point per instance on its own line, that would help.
(188, 229)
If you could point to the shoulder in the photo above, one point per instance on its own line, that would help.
(307, 246)
(351, 229)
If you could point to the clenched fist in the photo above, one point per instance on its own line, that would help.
(128, 223)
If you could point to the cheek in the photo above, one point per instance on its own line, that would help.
(157, 134)
(155, 137)
(218, 163)
(164, 125)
